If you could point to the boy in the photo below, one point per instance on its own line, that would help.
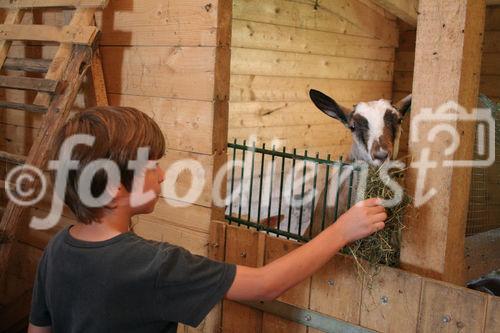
(98, 276)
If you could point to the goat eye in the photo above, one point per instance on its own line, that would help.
(352, 127)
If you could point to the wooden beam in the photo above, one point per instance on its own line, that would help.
(406, 10)
(12, 158)
(23, 106)
(447, 68)
(492, 2)
(84, 35)
(29, 83)
(27, 65)
(53, 3)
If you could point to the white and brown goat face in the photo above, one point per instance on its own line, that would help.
(375, 125)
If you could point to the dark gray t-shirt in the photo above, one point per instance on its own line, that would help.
(124, 284)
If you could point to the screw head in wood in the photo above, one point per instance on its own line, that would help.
(331, 282)
(446, 319)
(384, 299)
(308, 317)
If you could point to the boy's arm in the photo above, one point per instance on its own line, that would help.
(37, 329)
(273, 279)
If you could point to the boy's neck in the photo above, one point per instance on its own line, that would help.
(109, 226)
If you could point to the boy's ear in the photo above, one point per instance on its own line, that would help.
(404, 105)
(329, 106)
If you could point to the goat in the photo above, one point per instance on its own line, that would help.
(375, 127)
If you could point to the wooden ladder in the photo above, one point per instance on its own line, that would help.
(56, 92)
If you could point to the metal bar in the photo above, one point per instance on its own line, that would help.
(285, 154)
(251, 183)
(326, 195)
(339, 185)
(291, 191)
(349, 194)
(302, 195)
(314, 196)
(231, 195)
(281, 181)
(306, 317)
(260, 185)
(271, 190)
(242, 180)
(268, 229)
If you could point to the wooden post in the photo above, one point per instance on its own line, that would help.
(447, 67)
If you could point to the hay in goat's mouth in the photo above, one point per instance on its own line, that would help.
(383, 247)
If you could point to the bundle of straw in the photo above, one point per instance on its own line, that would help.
(383, 246)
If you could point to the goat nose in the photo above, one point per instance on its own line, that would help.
(381, 155)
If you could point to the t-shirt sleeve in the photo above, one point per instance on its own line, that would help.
(39, 314)
(188, 286)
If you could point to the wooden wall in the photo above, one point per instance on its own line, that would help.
(383, 300)
(169, 59)
(282, 48)
(484, 207)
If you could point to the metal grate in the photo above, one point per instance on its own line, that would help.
(485, 184)
(270, 186)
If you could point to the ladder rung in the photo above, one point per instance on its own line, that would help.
(30, 83)
(53, 3)
(84, 35)
(13, 158)
(27, 65)
(24, 107)
(3, 184)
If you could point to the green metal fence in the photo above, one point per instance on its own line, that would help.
(263, 182)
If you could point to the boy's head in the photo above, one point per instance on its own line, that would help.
(119, 132)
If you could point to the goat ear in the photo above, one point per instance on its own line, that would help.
(329, 106)
(404, 105)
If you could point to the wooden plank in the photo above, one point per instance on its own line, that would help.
(246, 88)
(30, 83)
(492, 322)
(433, 243)
(446, 308)
(153, 23)
(84, 35)
(12, 158)
(390, 300)
(492, 2)
(297, 136)
(364, 17)
(267, 36)
(298, 295)
(53, 3)
(266, 114)
(352, 18)
(142, 71)
(301, 15)
(195, 242)
(81, 17)
(38, 152)
(264, 62)
(187, 124)
(492, 18)
(13, 17)
(27, 65)
(194, 217)
(406, 10)
(481, 253)
(243, 247)
(336, 289)
(98, 82)
(491, 42)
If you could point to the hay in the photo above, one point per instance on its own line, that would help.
(383, 247)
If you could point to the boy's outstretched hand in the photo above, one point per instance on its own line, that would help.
(361, 220)
(273, 279)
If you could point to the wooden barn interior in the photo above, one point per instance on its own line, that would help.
(214, 71)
